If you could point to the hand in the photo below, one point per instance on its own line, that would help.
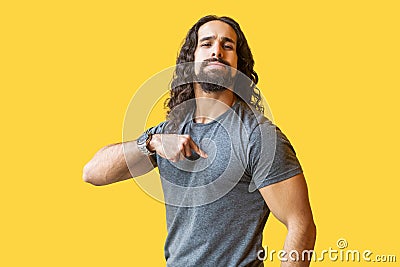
(174, 147)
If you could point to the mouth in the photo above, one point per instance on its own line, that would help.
(216, 64)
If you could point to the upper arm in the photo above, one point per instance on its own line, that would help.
(288, 201)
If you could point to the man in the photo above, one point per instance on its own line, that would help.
(223, 165)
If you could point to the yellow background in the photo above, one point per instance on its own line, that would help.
(329, 70)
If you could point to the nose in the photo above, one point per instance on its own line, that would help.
(217, 51)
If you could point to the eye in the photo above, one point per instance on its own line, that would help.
(228, 46)
(205, 44)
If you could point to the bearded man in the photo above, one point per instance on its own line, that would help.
(223, 165)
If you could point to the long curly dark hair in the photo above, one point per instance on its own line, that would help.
(182, 88)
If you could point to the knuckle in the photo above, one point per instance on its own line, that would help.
(187, 137)
(185, 142)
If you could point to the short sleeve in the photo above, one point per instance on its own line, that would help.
(159, 129)
(272, 158)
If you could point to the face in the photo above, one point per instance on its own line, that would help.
(216, 49)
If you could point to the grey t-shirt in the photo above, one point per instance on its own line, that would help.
(215, 214)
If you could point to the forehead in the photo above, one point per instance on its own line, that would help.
(217, 29)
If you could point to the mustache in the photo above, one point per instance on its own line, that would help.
(220, 60)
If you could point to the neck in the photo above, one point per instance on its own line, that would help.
(211, 105)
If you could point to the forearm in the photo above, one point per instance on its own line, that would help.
(115, 163)
(299, 242)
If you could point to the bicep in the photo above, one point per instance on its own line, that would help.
(288, 200)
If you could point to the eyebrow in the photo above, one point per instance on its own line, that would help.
(224, 39)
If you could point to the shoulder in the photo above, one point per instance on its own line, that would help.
(255, 122)
(264, 135)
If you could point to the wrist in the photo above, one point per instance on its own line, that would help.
(143, 143)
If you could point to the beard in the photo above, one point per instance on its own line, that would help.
(214, 80)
